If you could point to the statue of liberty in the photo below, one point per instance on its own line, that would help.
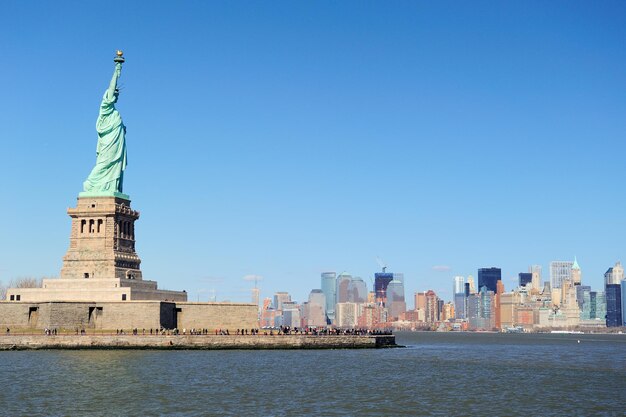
(107, 175)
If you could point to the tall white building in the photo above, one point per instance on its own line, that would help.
(559, 272)
(459, 285)
(536, 280)
(346, 315)
(614, 275)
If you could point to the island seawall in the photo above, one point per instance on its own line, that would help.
(204, 342)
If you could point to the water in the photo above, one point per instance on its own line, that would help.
(437, 374)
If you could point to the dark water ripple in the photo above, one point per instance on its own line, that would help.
(437, 374)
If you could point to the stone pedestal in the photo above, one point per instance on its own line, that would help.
(102, 240)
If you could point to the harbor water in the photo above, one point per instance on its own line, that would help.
(436, 374)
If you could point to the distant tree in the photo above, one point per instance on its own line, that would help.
(25, 282)
(3, 291)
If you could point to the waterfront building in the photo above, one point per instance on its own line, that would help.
(489, 277)
(343, 282)
(447, 312)
(525, 278)
(357, 291)
(535, 270)
(395, 299)
(280, 298)
(524, 316)
(597, 305)
(496, 299)
(481, 310)
(613, 305)
(559, 272)
(583, 298)
(459, 305)
(346, 315)
(509, 303)
(420, 300)
(329, 287)
(431, 306)
(371, 316)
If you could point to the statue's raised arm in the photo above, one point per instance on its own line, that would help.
(112, 91)
(107, 176)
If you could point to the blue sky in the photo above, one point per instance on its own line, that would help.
(288, 139)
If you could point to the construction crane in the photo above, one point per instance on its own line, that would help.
(381, 264)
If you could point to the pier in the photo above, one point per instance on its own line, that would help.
(196, 342)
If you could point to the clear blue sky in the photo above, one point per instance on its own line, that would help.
(287, 139)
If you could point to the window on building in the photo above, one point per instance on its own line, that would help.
(86, 274)
(123, 297)
(12, 297)
(17, 297)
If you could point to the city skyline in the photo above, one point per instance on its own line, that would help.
(316, 139)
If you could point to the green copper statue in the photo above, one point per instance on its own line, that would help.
(107, 176)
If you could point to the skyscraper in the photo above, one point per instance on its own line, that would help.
(347, 314)
(472, 286)
(458, 285)
(576, 273)
(381, 280)
(420, 301)
(481, 310)
(525, 278)
(432, 306)
(343, 282)
(458, 297)
(329, 288)
(613, 305)
(291, 314)
(559, 272)
(357, 291)
(316, 309)
(395, 298)
(535, 270)
(459, 305)
(614, 275)
(489, 277)
(280, 298)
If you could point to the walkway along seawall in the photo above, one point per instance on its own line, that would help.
(208, 342)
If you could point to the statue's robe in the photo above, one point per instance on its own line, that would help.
(107, 176)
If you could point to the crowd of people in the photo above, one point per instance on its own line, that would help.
(282, 330)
